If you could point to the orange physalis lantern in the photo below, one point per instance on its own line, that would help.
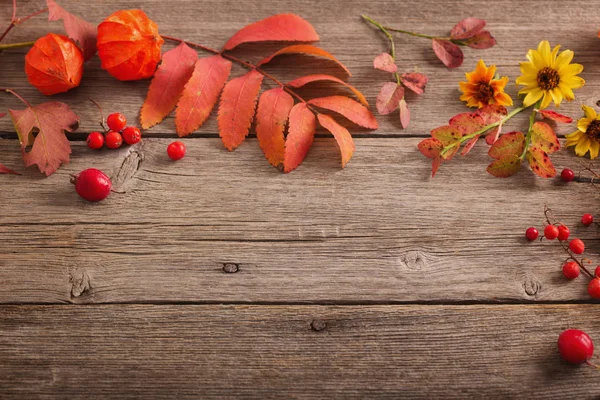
(54, 64)
(129, 45)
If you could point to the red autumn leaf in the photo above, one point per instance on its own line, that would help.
(543, 136)
(505, 167)
(273, 110)
(5, 170)
(341, 135)
(431, 147)
(467, 28)
(50, 148)
(349, 108)
(77, 29)
(448, 53)
(2, 115)
(404, 114)
(451, 151)
(236, 111)
(308, 49)
(435, 165)
(483, 40)
(554, 116)
(415, 81)
(540, 163)
(303, 80)
(167, 85)
(301, 132)
(472, 142)
(200, 93)
(281, 27)
(493, 135)
(509, 144)
(467, 123)
(446, 135)
(389, 98)
(491, 114)
(385, 62)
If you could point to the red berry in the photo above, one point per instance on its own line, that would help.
(132, 135)
(114, 140)
(594, 288)
(567, 175)
(575, 346)
(563, 232)
(551, 232)
(176, 150)
(587, 219)
(116, 122)
(577, 246)
(92, 184)
(95, 140)
(571, 270)
(597, 271)
(531, 234)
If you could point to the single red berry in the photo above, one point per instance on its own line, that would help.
(531, 234)
(116, 122)
(575, 346)
(587, 219)
(594, 288)
(551, 232)
(567, 175)
(92, 184)
(132, 135)
(577, 246)
(597, 271)
(95, 140)
(571, 270)
(563, 232)
(176, 151)
(114, 140)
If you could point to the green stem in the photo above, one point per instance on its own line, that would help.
(391, 39)
(528, 137)
(16, 45)
(389, 28)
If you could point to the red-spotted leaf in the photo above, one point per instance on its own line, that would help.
(404, 114)
(273, 110)
(301, 132)
(281, 27)
(554, 116)
(349, 108)
(448, 53)
(76, 28)
(505, 167)
(385, 62)
(50, 147)
(467, 28)
(543, 136)
(509, 144)
(237, 107)
(540, 163)
(492, 113)
(472, 142)
(201, 93)
(389, 98)
(447, 134)
(303, 80)
(415, 81)
(167, 84)
(307, 49)
(467, 123)
(341, 135)
(431, 147)
(483, 40)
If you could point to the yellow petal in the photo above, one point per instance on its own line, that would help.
(554, 53)
(532, 97)
(594, 148)
(566, 92)
(546, 100)
(503, 99)
(544, 52)
(556, 96)
(574, 82)
(589, 112)
(583, 124)
(570, 69)
(582, 146)
(563, 59)
(573, 138)
(528, 69)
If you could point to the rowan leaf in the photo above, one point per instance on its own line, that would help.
(446, 135)
(467, 28)
(349, 108)
(554, 116)
(540, 163)
(201, 93)
(448, 53)
(5, 170)
(168, 82)
(301, 132)
(303, 80)
(415, 81)
(544, 137)
(280, 27)
(389, 98)
(273, 110)
(341, 135)
(404, 114)
(467, 123)
(505, 167)
(509, 144)
(483, 40)
(50, 148)
(76, 28)
(472, 142)
(308, 49)
(237, 108)
(385, 62)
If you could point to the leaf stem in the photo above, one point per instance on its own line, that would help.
(16, 21)
(528, 137)
(16, 95)
(388, 28)
(16, 45)
(391, 39)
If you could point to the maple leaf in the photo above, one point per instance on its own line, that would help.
(237, 107)
(415, 81)
(77, 29)
(540, 163)
(404, 114)
(303, 80)
(301, 132)
(308, 49)
(50, 147)
(467, 28)
(167, 84)
(281, 27)
(201, 93)
(273, 110)
(389, 98)
(554, 116)
(543, 136)
(448, 53)
(341, 135)
(385, 62)
(349, 108)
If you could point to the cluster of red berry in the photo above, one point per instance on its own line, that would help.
(118, 132)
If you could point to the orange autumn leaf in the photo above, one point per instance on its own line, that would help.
(304, 80)
(349, 108)
(77, 29)
(201, 93)
(341, 135)
(300, 136)
(167, 84)
(237, 107)
(540, 163)
(5, 170)
(308, 49)
(281, 27)
(273, 110)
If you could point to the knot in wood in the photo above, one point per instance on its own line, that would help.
(413, 260)
(231, 268)
(129, 167)
(318, 325)
(80, 282)
(531, 285)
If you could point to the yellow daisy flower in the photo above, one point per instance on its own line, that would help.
(549, 76)
(482, 89)
(587, 136)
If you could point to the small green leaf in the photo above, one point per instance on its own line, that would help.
(540, 163)
(543, 136)
(505, 167)
(509, 144)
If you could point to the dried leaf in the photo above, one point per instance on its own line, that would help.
(200, 93)
(435, 165)
(446, 134)
(77, 29)
(167, 84)
(472, 142)
(451, 151)
(554, 116)
(389, 98)
(236, 111)
(467, 28)
(303, 80)
(483, 40)
(492, 113)
(448, 53)
(509, 144)
(341, 135)
(431, 147)
(281, 27)
(385, 62)
(467, 123)
(349, 108)
(540, 163)
(404, 114)
(300, 136)
(5, 170)
(308, 49)
(543, 136)
(505, 167)
(415, 81)
(493, 135)
(273, 110)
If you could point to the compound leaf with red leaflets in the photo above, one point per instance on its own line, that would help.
(540, 163)
(385, 62)
(341, 135)
(76, 28)
(415, 81)
(301, 132)
(273, 110)
(389, 98)
(349, 108)
(303, 80)
(448, 53)
(308, 49)
(467, 28)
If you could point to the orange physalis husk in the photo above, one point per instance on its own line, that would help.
(54, 64)
(129, 45)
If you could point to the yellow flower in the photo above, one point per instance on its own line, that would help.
(549, 76)
(482, 89)
(587, 136)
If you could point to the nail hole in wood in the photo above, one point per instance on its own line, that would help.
(231, 268)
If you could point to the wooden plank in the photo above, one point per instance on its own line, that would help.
(379, 231)
(393, 352)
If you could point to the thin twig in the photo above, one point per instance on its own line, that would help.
(16, 95)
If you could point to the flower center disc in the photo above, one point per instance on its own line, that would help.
(548, 78)
(485, 92)
(593, 130)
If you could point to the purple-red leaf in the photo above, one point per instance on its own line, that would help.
(448, 53)
(77, 29)
(472, 142)
(415, 81)
(308, 49)
(446, 134)
(540, 163)
(385, 62)
(543, 136)
(467, 28)
(509, 144)
(273, 110)
(389, 98)
(5, 170)
(467, 123)
(303, 80)
(349, 108)
(554, 116)
(341, 135)
(483, 40)
(404, 114)
(505, 167)
(301, 132)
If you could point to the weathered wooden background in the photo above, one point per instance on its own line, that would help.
(370, 282)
